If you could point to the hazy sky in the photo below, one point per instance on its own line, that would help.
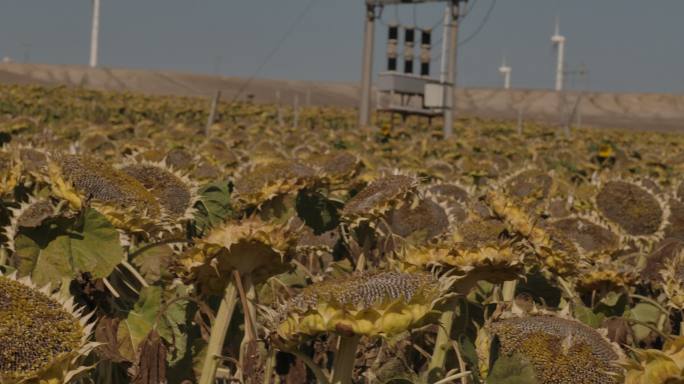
(627, 45)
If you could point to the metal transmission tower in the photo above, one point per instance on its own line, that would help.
(94, 35)
(373, 10)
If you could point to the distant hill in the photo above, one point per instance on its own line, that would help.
(643, 111)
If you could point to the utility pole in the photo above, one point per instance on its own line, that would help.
(449, 46)
(295, 111)
(212, 112)
(94, 36)
(367, 65)
(279, 109)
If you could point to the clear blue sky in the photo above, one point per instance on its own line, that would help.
(627, 45)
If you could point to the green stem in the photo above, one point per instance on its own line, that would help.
(442, 345)
(270, 362)
(218, 334)
(345, 357)
(248, 300)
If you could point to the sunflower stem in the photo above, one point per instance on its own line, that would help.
(442, 345)
(218, 334)
(247, 293)
(135, 273)
(508, 290)
(345, 357)
(268, 371)
(3, 256)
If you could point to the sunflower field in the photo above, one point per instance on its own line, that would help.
(139, 246)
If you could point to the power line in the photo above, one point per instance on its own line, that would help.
(275, 49)
(481, 26)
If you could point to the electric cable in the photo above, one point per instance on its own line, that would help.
(480, 27)
(275, 49)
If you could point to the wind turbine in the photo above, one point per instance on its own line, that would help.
(94, 35)
(505, 71)
(559, 43)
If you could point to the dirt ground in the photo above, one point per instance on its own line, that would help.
(638, 111)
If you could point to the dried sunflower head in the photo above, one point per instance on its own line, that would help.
(634, 210)
(555, 249)
(672, 276)
(82, 180)
(175, 192)
(422, 220)
(179, 158)
(662, 255)
(604, 276)
(528, 187)
(10, 171)
(369, 303)
(495, 261)
(337, 167)
(452, 191)
(262, 182)
(30, 214)
(591, 237)
(252, 247)
(560, 350)
(43, 337)
(33, 163)
(379, 197)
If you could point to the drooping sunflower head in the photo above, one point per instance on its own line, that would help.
(337, 167)
(672, 276)
(264, 181)
(43, 337)
(495, 261)
(604, 276)
(10, 171)
(560, 350)
(121, 198)
(29, 163)
(592, 238)
(633, 209)
(555, 249)
(661, 256)
(558, 252)
(452, 191)
(370, 303)
(419, 222)
(252, 247)
(175, 192)
(30, 214)
(379, 197)
(529, 187)
(454, 197)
